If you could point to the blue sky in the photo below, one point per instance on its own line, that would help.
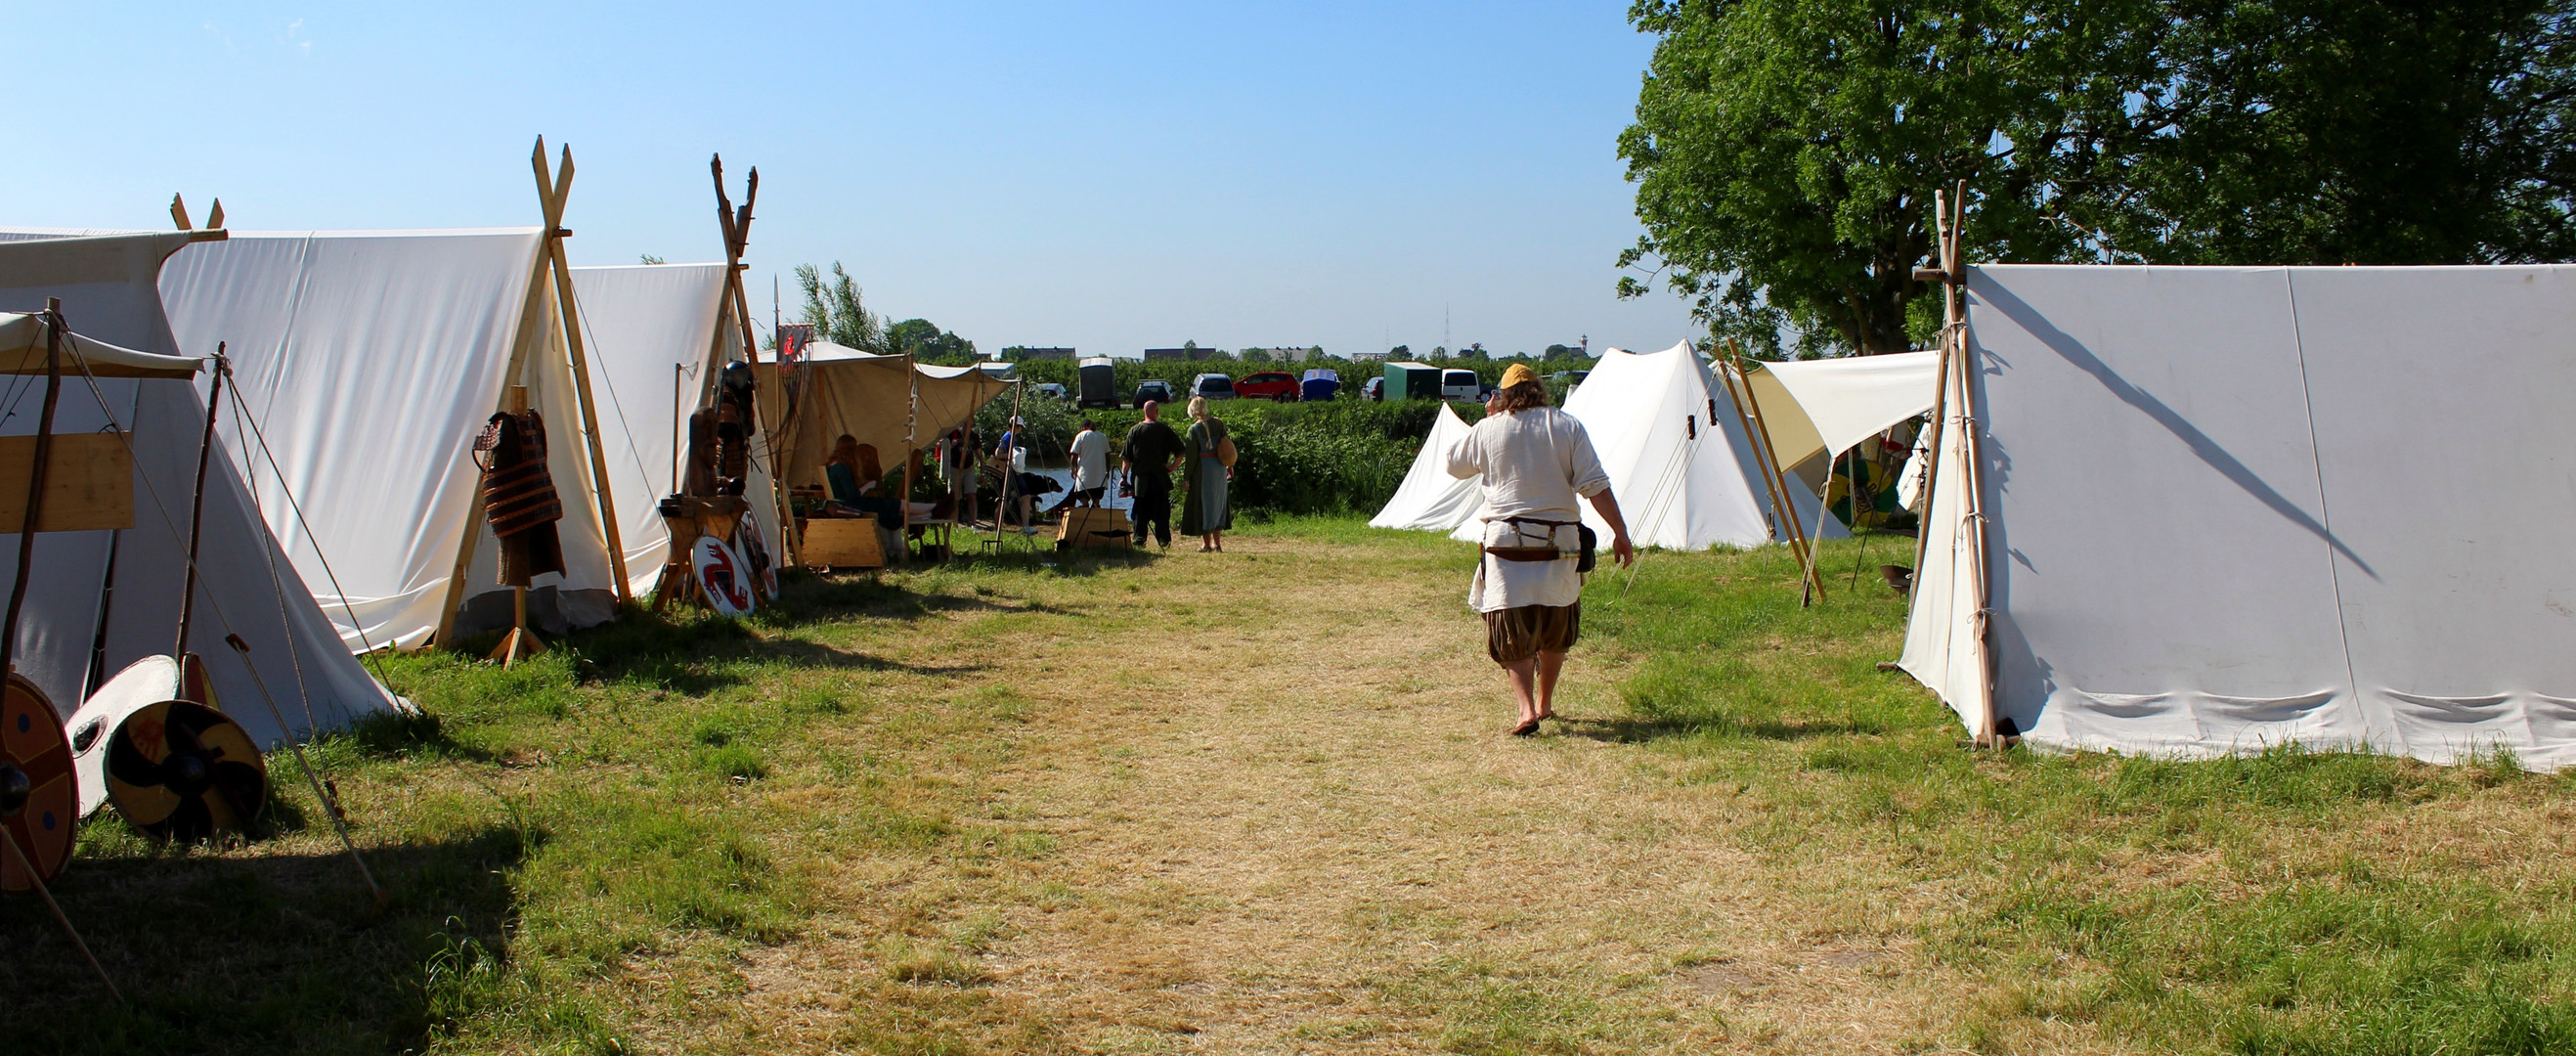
(1109, 177)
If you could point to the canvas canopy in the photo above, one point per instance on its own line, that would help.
(1837, 403)
(75, 630)
(884, 401)
(2211, 510)
(1431, 500)
(1680, 462)
(652, 330)
(372, 358)
(25, 338)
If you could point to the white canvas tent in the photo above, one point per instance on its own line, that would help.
(2210, 510)
(652, 330)
(1680, 461)
(102, 599)
(371, 359)
(1430, 500)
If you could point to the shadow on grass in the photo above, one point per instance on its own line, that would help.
(1633, 730)
(268, 953)
(805, 653)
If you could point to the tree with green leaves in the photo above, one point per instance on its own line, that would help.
(1786, 151)
(839, 314)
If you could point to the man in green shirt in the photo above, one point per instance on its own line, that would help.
(1153, 451)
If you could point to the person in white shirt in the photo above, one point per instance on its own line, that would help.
(1090, 466)
(1535, 461)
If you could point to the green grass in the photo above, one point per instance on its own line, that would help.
(2259, 905)
(590, 853)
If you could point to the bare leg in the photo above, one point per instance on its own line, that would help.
(1524, 686)
(1549, 664)
(1220, 540)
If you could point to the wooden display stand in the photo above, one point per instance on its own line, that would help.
(521, 643)
(842, 542)
(1084, 527)
(691, 516)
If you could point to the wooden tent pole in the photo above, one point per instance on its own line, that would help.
(531, 333)
(569, 309)
(1780, 507)
(36, 474)
(197, 507)
(1771, 457)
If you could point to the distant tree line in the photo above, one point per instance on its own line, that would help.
(1786, 151)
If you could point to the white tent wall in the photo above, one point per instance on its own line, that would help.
(649, 330)
(371, 360)
(2226, 510)
(1683, 482)
(1429, 499)
(246, 585)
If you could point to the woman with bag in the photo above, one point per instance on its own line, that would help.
(1211, 457)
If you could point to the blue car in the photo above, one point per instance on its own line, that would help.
(1320, 385)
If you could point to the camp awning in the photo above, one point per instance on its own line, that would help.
(886, 402)
(22, 351)
(1836, 403)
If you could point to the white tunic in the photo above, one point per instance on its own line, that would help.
(1090, 460)
(1537, 465)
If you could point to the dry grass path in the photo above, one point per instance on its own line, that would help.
(1282, 817)
(1262, 802)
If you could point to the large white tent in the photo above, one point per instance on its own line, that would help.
(371, 359)
(653, 331)
(1679, 459)
(102, 599)
(1429, 499)
(2210, 510)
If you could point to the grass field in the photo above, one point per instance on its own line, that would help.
(1262, 802)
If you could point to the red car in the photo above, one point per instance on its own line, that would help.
(1268, 385)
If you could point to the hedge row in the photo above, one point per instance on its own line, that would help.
(1346, 456)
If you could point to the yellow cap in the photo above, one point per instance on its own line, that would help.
(1518, 374)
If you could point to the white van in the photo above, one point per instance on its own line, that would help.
(1461, 386)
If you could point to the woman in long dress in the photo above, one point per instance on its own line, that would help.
(1205, 513)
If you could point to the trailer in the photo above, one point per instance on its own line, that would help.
(1099, 384)
(1412, 381)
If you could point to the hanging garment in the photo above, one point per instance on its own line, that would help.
(519, 498)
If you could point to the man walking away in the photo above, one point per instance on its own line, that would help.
(1535, 460)
(1153, 451)
(1090, 466)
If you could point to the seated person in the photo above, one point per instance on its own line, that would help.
(858, 483)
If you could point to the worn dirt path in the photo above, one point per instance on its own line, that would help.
(1278, 814)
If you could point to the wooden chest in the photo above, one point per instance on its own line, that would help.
(1088, 527)
(842, 542)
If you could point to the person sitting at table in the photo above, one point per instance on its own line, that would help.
(858, 482)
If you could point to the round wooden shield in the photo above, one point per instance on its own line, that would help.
(181, 770)
(755, 552)
(143, 683)
(725, 582)
(36, 763)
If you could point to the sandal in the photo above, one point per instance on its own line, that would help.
(1526, 728)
